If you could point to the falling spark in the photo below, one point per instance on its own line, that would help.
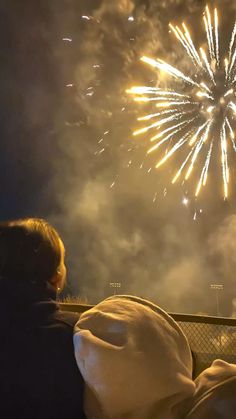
(181, 37)
(191, 44)
(158, 123)
(217, 37)
(154, 115)
(172, 71)
(185, 201)
(203, 177)
(232, 41)
(179, 144)
(198, 148)
(179, 127)
(155, 197)
(208, 66)
(224, 160)
(209, 33)
(232, 105)
(182, 167)
(226, 63)
(200, 117)
(67, 39)
(90, 94)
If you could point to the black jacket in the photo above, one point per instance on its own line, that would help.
(39, 378)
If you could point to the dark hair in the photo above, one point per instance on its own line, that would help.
(30, 252)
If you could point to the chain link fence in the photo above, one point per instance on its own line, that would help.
(209, 338)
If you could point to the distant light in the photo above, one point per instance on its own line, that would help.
(86, 17)
(185, 201)
(131, 18)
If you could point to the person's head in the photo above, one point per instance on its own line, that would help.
(126, 342)
(31, 256)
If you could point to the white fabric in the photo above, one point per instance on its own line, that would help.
(135, 360)
(217, 373)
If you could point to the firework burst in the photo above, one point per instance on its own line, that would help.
(200, 116)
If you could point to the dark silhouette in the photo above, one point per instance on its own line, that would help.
(39, 376)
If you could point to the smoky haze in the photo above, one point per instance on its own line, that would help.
(121, 222)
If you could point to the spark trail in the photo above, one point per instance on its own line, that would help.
(199, 117)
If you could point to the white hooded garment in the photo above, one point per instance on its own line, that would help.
(219, 372)
(135, 361)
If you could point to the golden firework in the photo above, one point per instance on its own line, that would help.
(203, 116)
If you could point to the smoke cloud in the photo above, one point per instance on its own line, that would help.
(114, 231)
(122, 223)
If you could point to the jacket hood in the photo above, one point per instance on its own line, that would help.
(135, 360)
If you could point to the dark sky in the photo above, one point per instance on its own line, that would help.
(67, 152)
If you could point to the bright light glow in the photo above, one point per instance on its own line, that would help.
(200, 117)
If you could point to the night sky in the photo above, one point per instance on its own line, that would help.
(67, 151)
